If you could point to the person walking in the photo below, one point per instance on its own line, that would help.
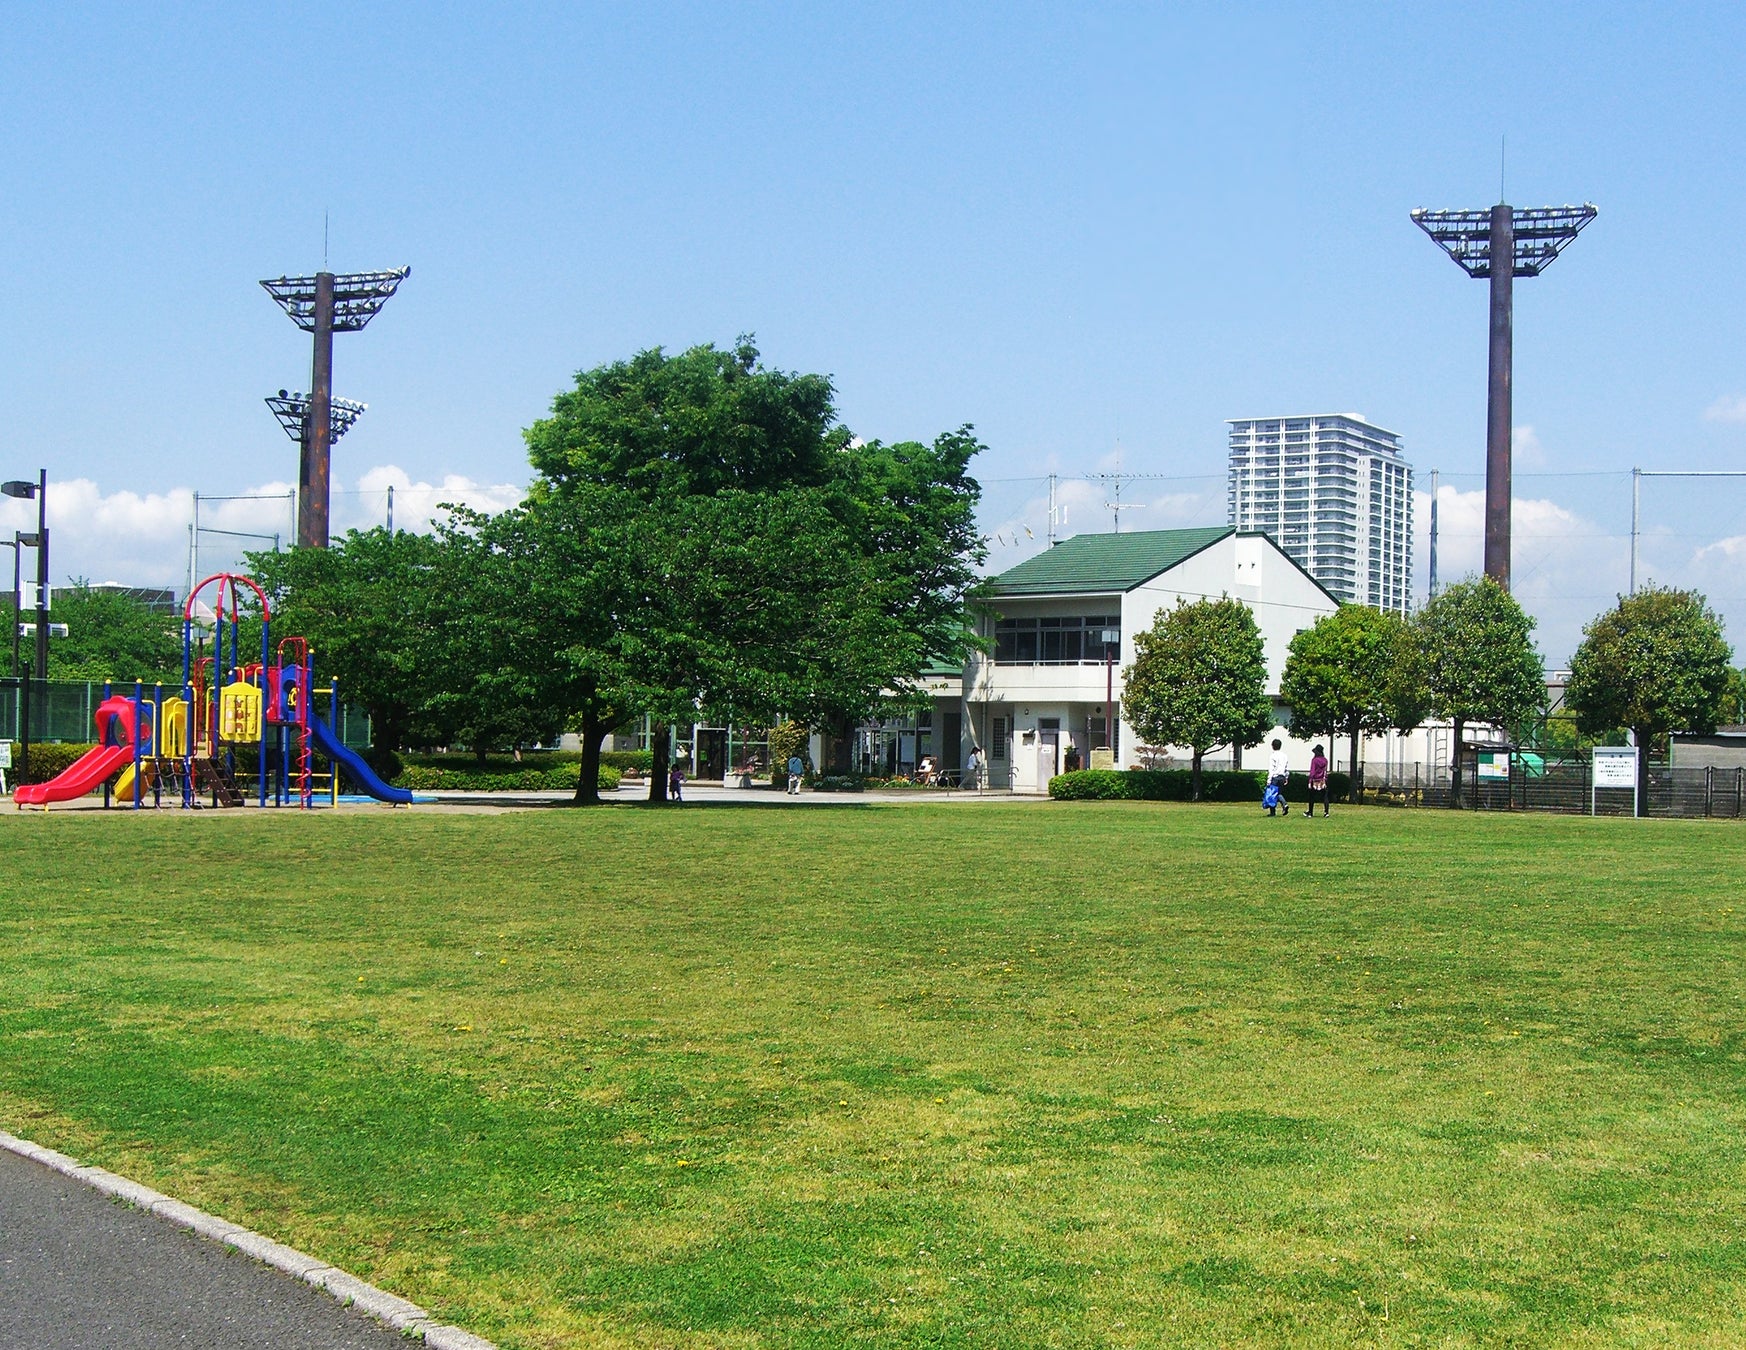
(1278, 774)
(1318, 783)
(796, 767)
(676, 784)
(973, 771)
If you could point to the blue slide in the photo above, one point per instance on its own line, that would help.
(362, 774)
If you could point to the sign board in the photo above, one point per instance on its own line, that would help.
(5, 754)
(1102, 757)
(1615, 766)
(1494, 765)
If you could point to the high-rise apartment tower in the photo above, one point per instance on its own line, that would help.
(1335, 494)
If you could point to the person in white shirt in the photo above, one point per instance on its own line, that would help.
(1279, 772)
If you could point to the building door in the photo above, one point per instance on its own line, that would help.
(711, 755)
(1048, 749)
(951, 749)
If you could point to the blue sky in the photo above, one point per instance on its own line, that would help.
(1091, 235)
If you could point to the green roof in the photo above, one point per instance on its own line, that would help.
(1089, 563)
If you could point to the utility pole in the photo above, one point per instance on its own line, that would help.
(1502, 243)
(323, 305)
(1432, 592)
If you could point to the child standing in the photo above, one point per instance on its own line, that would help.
(676, 784)
(1279, 773)
(1318, 783)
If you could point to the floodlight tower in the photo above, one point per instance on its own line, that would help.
(1502, 243)
(292, 410)
(325, 304)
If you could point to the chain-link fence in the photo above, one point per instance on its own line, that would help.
(1534, 783)
(65, 710)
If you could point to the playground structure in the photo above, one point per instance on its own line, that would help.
(193, 746)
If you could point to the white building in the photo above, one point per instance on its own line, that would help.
(1336, 495)
(1045, 686)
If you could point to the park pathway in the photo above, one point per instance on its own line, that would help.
(80, 1271)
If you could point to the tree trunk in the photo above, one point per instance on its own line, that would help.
(1353, 786)
(658, 747)
(479, 753)
(594, 729)
(1194, 777)
(1642, 737)
(1455, 765)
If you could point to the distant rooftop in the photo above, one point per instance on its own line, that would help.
(1107, 563)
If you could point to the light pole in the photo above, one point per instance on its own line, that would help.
(323, 305)
(1112, 638)
(24, 489)
(1502, 243)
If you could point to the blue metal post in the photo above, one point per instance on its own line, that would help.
(138, 736)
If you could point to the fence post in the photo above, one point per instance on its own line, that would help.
(1709, 787)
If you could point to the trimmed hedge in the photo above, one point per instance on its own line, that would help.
(1172, 785)
(640, 760)
(453, 778)
(48, 759)
(836, 782)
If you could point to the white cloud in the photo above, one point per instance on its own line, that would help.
(142, 539)
(1728, 408)
(1564, 567)
(1526, 449)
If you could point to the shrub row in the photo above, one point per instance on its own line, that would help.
(1173, 785)
(518, 778)
(640, 760)
(48, 760)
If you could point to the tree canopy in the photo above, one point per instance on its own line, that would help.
(1349, 674)
(1656, 662)
(112, 636)
(752, 558)
(1476, 660)
(369, 606)
(1199, 678)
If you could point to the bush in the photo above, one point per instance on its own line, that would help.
(640, 760)
(1173, 785)
(48, 759)
(452, 777)
(837, 782)
(384, 761)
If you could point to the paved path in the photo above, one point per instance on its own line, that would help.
(79, 1271)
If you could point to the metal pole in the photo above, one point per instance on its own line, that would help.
(1109, 702)
(390, 508)
(17, 602)
(42, 577)
(1432, 592)
(1499, 410)
(312, 482)
(1636, 516)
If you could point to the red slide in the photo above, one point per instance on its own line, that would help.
(81, 776)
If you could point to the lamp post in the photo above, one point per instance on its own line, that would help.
(1112, 638)
(24, 489)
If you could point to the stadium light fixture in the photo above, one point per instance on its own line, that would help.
(1502, 243)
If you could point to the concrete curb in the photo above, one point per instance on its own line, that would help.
(393, 1311)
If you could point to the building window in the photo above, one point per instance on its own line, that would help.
(997, 741)
(1053, 641)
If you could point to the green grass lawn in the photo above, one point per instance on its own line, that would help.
(1046, 1075)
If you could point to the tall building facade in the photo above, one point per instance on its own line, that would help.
(1336, 496)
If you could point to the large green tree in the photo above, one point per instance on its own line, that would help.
(112, 636)
(1476, 659)
(1348, 674)
(747, 557)
(1656, 662)
(371, 607)
(1199, 678)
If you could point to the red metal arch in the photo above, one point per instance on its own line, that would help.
(232, 578)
